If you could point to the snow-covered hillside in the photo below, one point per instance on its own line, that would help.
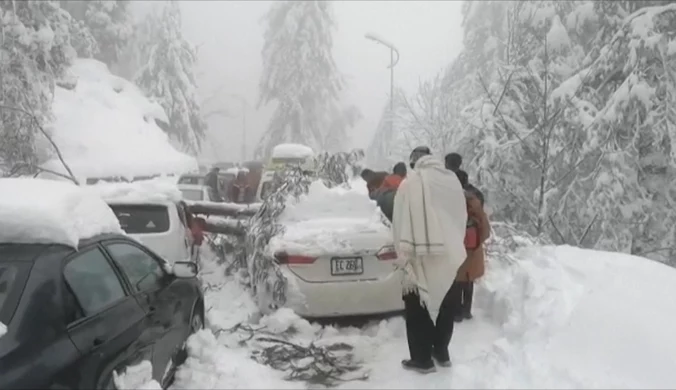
(104, 126)
(545, 317)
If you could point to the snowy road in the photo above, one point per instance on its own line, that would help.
(553, 317)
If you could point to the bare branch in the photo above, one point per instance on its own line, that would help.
(35, 120)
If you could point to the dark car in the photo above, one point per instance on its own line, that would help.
(75, 317)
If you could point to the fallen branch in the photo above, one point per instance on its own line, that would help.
(326, 365)
(223, 209)
(224, 226)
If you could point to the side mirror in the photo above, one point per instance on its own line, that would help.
(184, 269)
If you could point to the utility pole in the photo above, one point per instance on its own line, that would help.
(393, 62)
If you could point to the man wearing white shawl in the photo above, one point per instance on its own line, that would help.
(429, 221)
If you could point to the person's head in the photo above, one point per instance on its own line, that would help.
(241, 176)
(453, 161)
(417, 153)
(367, 174)
(400, 169)
(463, 177)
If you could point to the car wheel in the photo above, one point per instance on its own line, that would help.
(196, 324)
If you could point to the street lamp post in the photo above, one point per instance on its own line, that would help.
(393, 62)
(245, 104)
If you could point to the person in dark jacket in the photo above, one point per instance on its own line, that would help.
(211, 181)
(373, 179)
(453, 161)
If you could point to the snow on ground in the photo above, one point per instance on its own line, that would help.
(331, 220)
(66, 214)
(104, 127)
(545, 317)
(138, 377)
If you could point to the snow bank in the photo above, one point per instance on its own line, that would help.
(282, 151)
(331, 220)
(138, 377)
(157, 190)
(48, 211)
(104, 127)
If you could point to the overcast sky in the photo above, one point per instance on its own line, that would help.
(428, 34)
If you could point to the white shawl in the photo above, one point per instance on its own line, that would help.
(429, 221)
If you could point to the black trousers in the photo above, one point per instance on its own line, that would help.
(426, 337)
(466, 297)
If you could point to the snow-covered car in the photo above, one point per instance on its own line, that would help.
(79, 300)
(337, 254)
(155, 214)
(193, 192)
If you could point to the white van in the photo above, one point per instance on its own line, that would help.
(161, 225)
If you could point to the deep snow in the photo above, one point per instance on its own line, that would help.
(545, 317)
(105, 126)
(51, 212)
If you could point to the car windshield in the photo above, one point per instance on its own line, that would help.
(142, 219)
(15, 263)
(192, 194)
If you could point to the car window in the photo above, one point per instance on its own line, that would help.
(191, 194)
(144, 272)
(197, 180)
(93, 281)
(142, 219)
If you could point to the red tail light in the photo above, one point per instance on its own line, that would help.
(387, 253)
(284, 258)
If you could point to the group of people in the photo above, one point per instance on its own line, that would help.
(237, 191)
(438, 229)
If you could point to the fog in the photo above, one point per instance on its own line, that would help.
(428, 34)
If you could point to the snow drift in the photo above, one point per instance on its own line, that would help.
(104, 127)
(545, 317)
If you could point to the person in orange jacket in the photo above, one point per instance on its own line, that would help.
(473, 267)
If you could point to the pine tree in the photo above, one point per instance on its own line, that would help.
(300, 75)
(168, 76)
(110, 23)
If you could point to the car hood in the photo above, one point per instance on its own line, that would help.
(332, 236)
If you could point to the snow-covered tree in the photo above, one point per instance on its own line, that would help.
(34, 50)
(300, 76)
(110, 23)
(168, 76)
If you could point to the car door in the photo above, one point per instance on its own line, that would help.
(105, 322)
(167, 302)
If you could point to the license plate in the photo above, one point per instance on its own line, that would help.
(347, 266)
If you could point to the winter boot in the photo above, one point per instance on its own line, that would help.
(467, 315)
(423, 368)
(442, 361)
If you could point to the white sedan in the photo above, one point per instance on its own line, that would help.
(337, 256)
